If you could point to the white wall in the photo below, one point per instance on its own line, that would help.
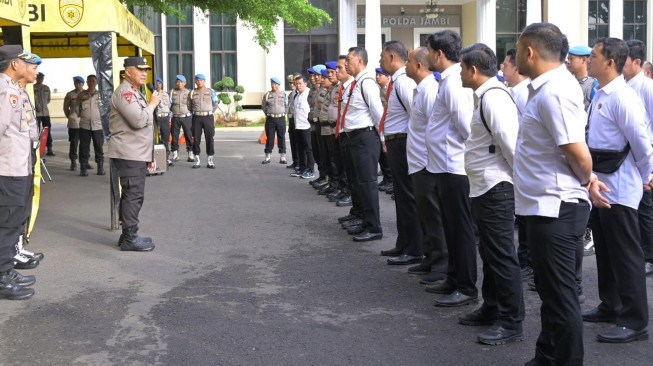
(202, 47)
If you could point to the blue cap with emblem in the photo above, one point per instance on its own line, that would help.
(380, 71)
(200, 76)
(323, 72)
(580, 50)
(78, 79)
(31, 58)
(181, 78)
(331, 65)
(275, 80)
(318, 69)
(159, 80)
(310, 70)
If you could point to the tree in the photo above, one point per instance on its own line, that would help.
(260, 15)
(223, 87)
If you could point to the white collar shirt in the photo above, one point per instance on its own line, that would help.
(617, 118)
(365, 108)
(343, 99)
(424, 96)
(644, 88)
(519, 94)
(554, 116)
(448, 127)
(486, 169)
(301, 110)
(398, 115)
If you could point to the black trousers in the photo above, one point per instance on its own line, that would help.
(645, 215)
(410, 235)
(275, 125)
(315, 145)
(364, 155)
(305, 150)
(620, 265)
(522, 249)
(343, 183)
(455, 205)
(348, 165)
(73, 137)
(324, 155)
(203, 123)
(333, 158)
(45, 122)
(13, 198)
(85, 137)
(132, 183)
(552, 243)
(386, 170)
(434, 245)
(177, 124)
(494, 214)
(164, 131)
(293, 141)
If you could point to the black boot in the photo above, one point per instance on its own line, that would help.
(130, 241)
(73, 165)
(21, 280)
(83, 166)
(12, 291)
(100, 168)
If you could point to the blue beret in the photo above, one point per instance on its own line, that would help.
(275, 80)
(378, 70)
(310, 70)
(200, 76)
(41, 74)
(331, 65)
(32, 58)
(78, 79)
(181, 78)
(159, 79)
(323, 72)
(580, 50)
(318, 69)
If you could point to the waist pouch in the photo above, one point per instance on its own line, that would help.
(608, 161)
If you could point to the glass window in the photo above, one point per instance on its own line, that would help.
(223, 46)
(635, 20)
(216, 67)
(179, 45)
(186, 39)
(598, 22)
(511, 20)
(173, 39)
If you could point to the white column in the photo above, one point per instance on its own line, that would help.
(373, 32)
(649, 30)
(201, 47)
(616, 16)
(486, 18)
(533, 11)
(346, 26)
(572, 21)
(274, 65)
(164, 54)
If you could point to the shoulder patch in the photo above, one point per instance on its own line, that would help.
(128, 97)
(13, 99)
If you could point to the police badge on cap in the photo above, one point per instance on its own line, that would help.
(139, 62)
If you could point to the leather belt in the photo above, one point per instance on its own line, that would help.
(201, 113)
(332, 124)
(395, 136)
(358, 130)
(181, 115)
(276, 115)
(325, 124)
(162, 115)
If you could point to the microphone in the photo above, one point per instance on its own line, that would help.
(150, 87)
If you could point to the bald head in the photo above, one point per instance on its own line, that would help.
(417, 67)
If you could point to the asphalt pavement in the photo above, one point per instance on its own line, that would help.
(250, 268)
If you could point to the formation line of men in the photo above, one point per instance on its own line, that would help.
(468, 155)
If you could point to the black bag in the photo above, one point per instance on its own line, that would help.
(608, 161)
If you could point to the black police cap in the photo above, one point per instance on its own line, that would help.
(139, 62)
(10, 51)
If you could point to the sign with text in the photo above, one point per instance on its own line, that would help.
(414, 21)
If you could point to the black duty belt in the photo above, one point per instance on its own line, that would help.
(325, 124)
(332, 124)
(355, 132)
(395, 136)
(182, 115)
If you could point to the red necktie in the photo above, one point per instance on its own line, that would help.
(385, 110)
(344, 113)
(341, 90)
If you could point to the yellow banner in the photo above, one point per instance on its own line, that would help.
(81, 16)
(12, 12)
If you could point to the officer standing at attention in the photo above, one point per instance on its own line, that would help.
(15, 170)
(203, 103)
(163, 117)
(383, 79)
(41, 101)
(90, 127)
(274, 107)
(577, 64)
(181, 118)
(290, 108)
(131, 148)
(71, 110)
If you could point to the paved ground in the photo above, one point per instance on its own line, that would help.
(250, 269)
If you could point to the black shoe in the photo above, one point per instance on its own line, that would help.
(598, 316)
(347, 217)
(391, 253)
(11, 290)
(368, 236)
(478, 317)
(351, 223)
(455, 299)
(36, 256)
(622, 335)
(332, 196)
(648, 268)
(390, 189)
(420, 269)
(392, 196)
(526, 273)
(404, 259)
(83, 173)
(531, 284)
(432, 278)
(356, 230)
(130, 241)
(73, 166)
(442, 287)
(29, 264)
(344, 202)
(292, 166)
(499, 335)
(383, 185)
(21, 280)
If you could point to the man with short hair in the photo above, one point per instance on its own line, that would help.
(552, 169)
(316, 80)
(41, 101)
(181, 118)
(328, 117)
(346, 196)
(71, 110)
(647, 67)
(291, 122)
(274, 106)
(163, 118)
(636, 79)
(617, 130)
(303, 130)
(202, 103)
(577, 64)
(90, 127)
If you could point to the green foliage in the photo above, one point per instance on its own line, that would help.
(260, 15)
(228, 82)
(239, 89)
(238, 97)
(219, 86)
(239, 108)
(224, 98)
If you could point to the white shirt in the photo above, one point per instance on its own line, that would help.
(519, 93)
(424, 96)
(554, 116)
(365, 108)
(617, 117)
(397, 118)
(301, 110)
(485, 169)
(343, 99)
(448, 127)
(644, 88)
